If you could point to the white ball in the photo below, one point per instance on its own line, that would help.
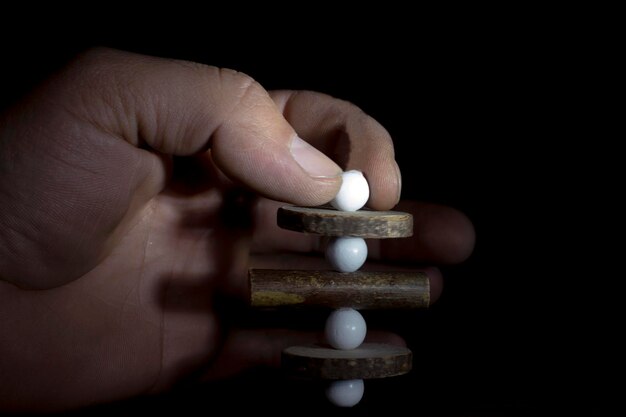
(354, 192)
(346, 254)
(345, 393)
(345, 329)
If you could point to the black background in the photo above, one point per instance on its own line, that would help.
(485, 115)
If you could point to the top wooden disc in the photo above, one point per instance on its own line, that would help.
(361, 223)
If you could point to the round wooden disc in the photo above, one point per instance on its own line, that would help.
(370, 360)
(361, 223)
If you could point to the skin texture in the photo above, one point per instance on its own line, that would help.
(135, 193)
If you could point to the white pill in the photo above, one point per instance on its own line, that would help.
(346, 254)
(345, 393)
(345, 329)
(354, 192)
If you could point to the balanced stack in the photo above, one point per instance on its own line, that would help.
(344, 288)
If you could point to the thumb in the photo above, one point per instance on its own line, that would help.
(256, 145)
(182, 108)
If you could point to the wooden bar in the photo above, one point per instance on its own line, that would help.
(330, 222)
(370, 360)
(366, 290)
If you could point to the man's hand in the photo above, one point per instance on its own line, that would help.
(133, 192)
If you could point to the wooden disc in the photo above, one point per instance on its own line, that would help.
(370, 360)
(361, 223)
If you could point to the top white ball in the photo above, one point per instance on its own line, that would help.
(354, 192)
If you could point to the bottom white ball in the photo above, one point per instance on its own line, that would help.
(345, 393)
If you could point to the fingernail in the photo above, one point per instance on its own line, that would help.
(314, 162)
(399, 175)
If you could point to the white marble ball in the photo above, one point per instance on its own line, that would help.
(345, 329)
(354, 192)
(346, 254)
(345, 393)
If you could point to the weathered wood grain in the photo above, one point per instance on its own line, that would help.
(320, 288)
(330, 222)
(370, 360)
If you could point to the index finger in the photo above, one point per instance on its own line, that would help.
(353, 139)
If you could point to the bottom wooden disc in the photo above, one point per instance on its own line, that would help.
(370, 360)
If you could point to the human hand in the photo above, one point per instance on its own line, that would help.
(135, 191)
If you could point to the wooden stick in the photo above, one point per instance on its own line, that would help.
(370, 360)
(359, 290)
(361, 223)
